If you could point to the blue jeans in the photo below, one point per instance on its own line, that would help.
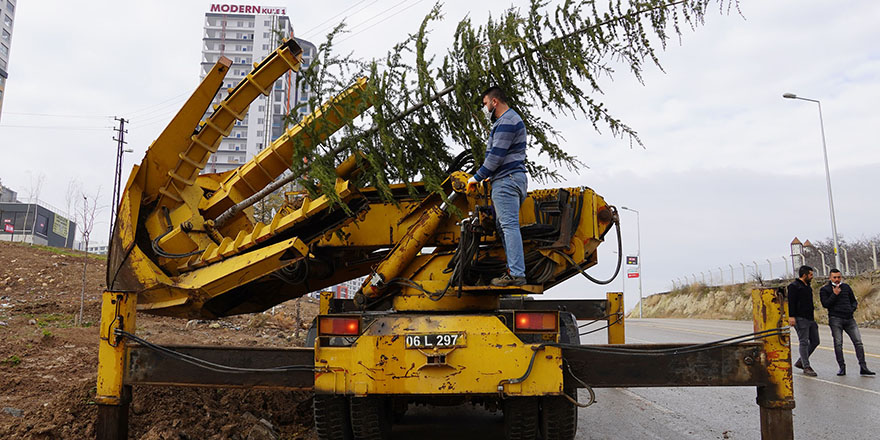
(508, 193)
(838, 326)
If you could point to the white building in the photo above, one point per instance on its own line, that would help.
(246, 35)
(98, 249)
(7, 14)
(345, 290)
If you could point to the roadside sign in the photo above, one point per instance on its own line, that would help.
(632, 275)
(9, 228)
(632, 260)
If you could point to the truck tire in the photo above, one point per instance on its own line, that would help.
(332, 419)
(312, 334)
(521, 418)
(371, 418)
(569, 332)
(558, 417)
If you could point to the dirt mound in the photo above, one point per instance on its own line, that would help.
(735, 301)
(48, 365)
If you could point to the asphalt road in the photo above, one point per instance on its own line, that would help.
(827, 406)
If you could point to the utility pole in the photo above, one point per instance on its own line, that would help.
(874, 250)
(117, 177)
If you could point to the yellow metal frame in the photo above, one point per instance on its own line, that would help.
(379, 363)
(117, 312)
(614, 310)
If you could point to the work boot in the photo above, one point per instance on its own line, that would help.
(842, 371)
(864, 371)
(798, 364)
(508, 280)
(808, 371)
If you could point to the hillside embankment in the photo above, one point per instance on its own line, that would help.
(48, 364)
(734, 301)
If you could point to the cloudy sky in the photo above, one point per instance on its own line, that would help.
(730, 174)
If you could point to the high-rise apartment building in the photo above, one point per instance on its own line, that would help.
(7, 13)
(246, 35)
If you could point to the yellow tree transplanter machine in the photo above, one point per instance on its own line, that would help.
(426, 327)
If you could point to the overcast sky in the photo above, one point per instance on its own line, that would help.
(730, 174)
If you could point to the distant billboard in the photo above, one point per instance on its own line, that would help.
(248, 9)
(632, 260)
(60, 226)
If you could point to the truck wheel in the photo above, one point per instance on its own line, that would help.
(371, 418)
(558, 417)
(569, 332)
(332, 420)
(521, 418)
(312, 334)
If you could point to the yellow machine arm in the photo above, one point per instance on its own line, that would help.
(166, 247)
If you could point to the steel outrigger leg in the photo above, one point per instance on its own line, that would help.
(776, 398)
(113, 396)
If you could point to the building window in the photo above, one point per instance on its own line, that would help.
(265, 35)
(236, 148)
(267, 23)
(251, 24)
(10, 6)
(259, 134)
(277, 109)
(260, 121)
(238, 135)
(6, 36)
(240, 24)
(7, 20)
(261, 108)
(248, 48)
(265, 47)
(4, 50)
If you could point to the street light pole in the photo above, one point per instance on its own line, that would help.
(827, 175)
(638, 254)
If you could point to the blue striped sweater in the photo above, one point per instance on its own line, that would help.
(506, 148)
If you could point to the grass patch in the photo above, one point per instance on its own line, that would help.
(58, 320)
(12, 360)
(62, 251)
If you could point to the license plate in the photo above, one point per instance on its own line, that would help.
(435, 340)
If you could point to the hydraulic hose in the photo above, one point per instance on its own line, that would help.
(619, 258)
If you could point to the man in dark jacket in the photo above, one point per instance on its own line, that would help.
(841, 303)
(800, 316)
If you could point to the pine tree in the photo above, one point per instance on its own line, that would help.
(425, 109)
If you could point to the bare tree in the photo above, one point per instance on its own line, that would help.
(86, 214)
(34, 188)
(73, 190)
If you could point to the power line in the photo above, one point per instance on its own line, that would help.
(371, 18)
(379, 14)
(177, 97)
(318, 26)
(55, 115)
(380, 21)
(49, 127)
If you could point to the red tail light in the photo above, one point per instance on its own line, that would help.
(536, 321)
(338, 326)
